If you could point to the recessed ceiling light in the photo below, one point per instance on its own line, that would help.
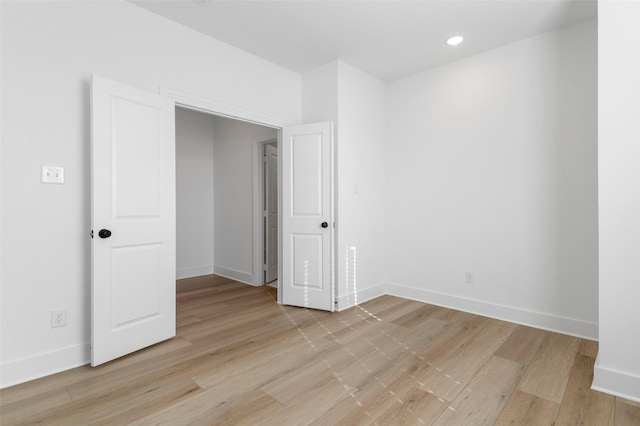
(455, 40)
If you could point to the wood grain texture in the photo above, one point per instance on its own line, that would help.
(588, 348)
(524, 409)
(447, 379)
(580, 405)
(240, 358)
(521, 345)
(627, 413)
(416, 407)
(486, 395)
(548, 373)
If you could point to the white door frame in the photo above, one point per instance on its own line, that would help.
(207, 106)
(258, 223)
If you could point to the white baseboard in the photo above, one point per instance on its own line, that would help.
(44, 364)
(243, 277)
(570, 326)
(363, 295)
(615, 382)
(195, 271)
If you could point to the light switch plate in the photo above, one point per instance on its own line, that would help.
(52, 174)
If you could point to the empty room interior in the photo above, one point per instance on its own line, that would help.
(345, 212)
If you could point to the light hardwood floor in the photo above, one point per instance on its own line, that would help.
(239, 358)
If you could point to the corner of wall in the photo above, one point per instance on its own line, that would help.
(241, 276)
(364, 295)
(616, 383)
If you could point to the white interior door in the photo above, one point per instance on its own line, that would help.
(133, 200)
(271, 212)
(307, 216)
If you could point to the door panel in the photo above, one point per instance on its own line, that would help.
(133, 196)
(135, 274)
(306, 163)
(136, 159)
(307, 196)
(307, 261)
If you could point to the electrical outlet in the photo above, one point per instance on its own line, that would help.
(468, 278)
(58, 318)
(52, 174)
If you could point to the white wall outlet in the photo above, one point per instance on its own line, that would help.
(52, 174)
(58, 318)
(468, 277)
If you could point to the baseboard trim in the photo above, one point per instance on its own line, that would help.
(616, 383)
(196, 271)
(569, 326)
(44, 364)
(363, 295)
(240, 276)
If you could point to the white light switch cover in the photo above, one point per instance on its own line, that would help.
(52, 174)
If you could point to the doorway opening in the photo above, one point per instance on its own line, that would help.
(222, 175)
(270, 211)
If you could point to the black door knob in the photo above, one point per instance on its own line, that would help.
(324, 224)
(104, 233)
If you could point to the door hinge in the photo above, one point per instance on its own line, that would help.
(92, 233)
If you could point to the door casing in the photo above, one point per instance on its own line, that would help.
(208, 106)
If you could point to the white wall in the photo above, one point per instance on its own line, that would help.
(48, 51)
(617, 369)
(492, 170)
(355, 102)
(233, 195)
(194, 193)
(361, 186)
(320, 94)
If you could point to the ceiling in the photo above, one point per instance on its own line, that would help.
(388, 39)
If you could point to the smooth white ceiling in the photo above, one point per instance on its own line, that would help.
(388, 39)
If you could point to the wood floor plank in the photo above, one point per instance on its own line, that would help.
(104, 407)
(394, 382)
(415, 316)
(549, 370)
(448, 378)
(580, 404)
(249, 409)
(416, 407)
(381, 390)
(295, 382)
(481, 402)
(182, 362)
(311, 404)
(74, 376)
(524, 409)
(627, 413)
(521, 345)
(30, 406)
(588, 348)
(240, 358)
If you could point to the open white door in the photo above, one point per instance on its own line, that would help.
(132, 219)
(307, 216)
(271, 212)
